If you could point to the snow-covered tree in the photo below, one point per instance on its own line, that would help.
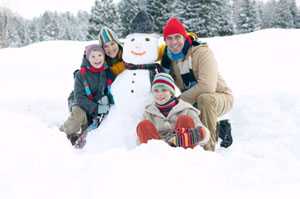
(248, 17)
(159, 10)
(17, 34)
(104, 13)
(33, 30)
(297, 23)
(283, 17)
(268, 13)
(236, 4)
(82, 23)
(128, 9)
(224, 19)
(208, 18)
(294, 10)
(48, 26)
(178, 9)
(15, 31)
(3, 27)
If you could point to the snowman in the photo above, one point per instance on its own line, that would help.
(140, 52)
(132, 88)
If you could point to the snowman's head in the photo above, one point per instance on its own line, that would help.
(141, 48)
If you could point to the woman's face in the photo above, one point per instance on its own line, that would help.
(175, 42)
(96, 59)
(111, 49)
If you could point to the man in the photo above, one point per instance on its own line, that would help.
(195, 71)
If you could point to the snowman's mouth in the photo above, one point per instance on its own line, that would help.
(138, 53)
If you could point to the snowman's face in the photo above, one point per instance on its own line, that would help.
(140, 48)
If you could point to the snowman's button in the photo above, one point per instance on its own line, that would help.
(134, 74)
(132, 91)
(133, 81)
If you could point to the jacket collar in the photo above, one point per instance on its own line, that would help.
(152, 109)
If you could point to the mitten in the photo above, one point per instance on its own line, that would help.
(111, 100)
(103, 105)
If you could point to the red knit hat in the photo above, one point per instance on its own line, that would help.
(174, 26)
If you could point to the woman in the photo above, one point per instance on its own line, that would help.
(113, 49)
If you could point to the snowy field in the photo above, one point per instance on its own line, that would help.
(38, 162)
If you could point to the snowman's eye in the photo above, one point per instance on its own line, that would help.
(147, 39)
(132, 39)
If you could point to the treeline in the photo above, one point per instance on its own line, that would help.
(206, 18)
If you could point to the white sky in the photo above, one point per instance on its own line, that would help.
(32, 8)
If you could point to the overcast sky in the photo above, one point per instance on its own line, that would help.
(32, 8)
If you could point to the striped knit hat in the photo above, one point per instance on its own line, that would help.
(107, 35)
(164, 80)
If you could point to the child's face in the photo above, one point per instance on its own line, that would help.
(111, 49)
(161, 95)
(97, 59)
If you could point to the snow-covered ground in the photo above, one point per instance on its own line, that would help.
(37, 160)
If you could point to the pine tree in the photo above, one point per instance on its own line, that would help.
(283, 16)
(33, 30)
(17, 34)
(3, 27)
(294, 10)
(191, 17)
(82, 22)
(49, 27)
(268, 14)
(297, 24)
(66, 30)
(224, 19)
(128, 9)
(104, 13)
(247, 20)
(158, 9)
(178, 9)
(208, 18)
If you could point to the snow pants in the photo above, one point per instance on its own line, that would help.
(76, 121)
(212, 106)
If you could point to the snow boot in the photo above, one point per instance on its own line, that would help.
(73, 138)
(224, 131)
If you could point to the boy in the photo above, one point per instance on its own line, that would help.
(171, 119)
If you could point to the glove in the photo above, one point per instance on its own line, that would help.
(188, 137)
(103, 105)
